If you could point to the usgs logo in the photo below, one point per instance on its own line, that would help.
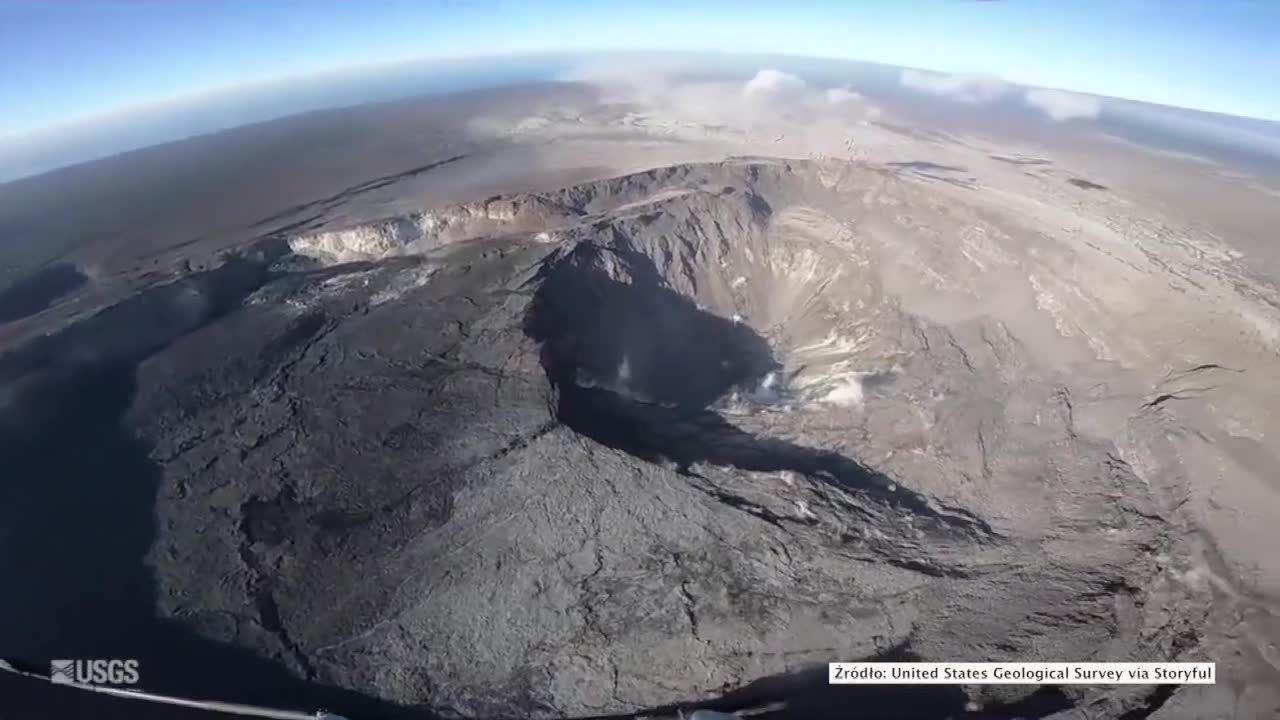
(94, 672)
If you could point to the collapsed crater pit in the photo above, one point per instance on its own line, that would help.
(640, 368)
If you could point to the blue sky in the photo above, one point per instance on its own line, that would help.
(64, 60)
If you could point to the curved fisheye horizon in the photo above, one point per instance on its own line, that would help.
(212, 62)
(484, 359)
(1179, 55)
(226, 107)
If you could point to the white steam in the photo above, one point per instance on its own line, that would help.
(841, 96)
(847, 393)
(961, 88)
(1061, 105)
(774, 85)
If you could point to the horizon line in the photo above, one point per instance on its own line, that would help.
(214, 90)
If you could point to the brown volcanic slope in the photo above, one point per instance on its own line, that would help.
(649, 440)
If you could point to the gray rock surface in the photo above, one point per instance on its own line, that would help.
(642, 442)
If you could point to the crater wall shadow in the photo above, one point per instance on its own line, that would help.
(637, 338)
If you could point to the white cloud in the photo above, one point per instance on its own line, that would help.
(840, 96)
(773, 84)
(1061, 105)
(962, 88)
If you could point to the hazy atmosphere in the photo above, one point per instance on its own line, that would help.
(498, 360)
(171, 70)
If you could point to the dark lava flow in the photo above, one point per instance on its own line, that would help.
(76, 520)
(77, 496)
